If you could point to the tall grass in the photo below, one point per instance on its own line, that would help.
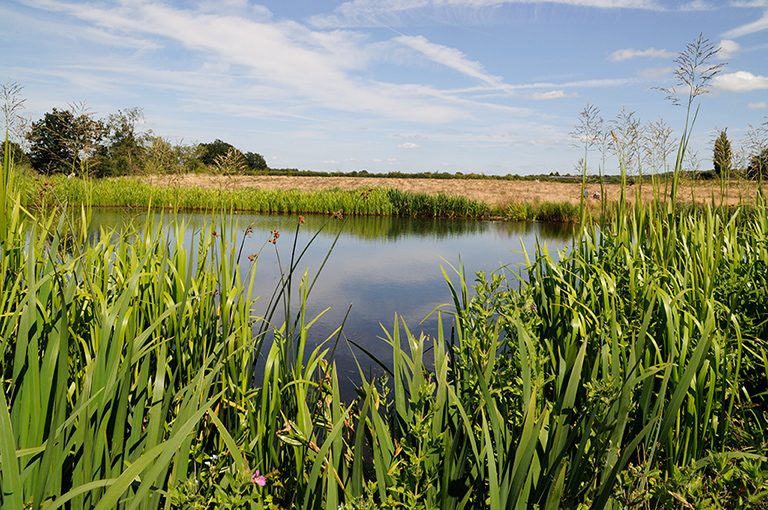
(128, 364)
(629, 372)
(128, 192)
(588, 381)
(114, 354)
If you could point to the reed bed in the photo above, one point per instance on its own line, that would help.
(129, 192)
(628, 372)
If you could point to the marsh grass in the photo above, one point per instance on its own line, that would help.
(628, 372)
(127, 192)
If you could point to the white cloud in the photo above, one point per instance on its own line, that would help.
(757, 106)
(629, 53)
(449, 57)
(750, 28)
(552, 94)
(695, 5)
(608, 82)
(740, 81)
(399, 12)
(728, 49)
(316, 69)
(408, 145)
(654, 73)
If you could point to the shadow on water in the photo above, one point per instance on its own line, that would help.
(380, 267)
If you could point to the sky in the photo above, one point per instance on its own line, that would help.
(484, 86)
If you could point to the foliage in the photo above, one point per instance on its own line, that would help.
(212, 154)
(163, 157)
(123, 152)
(63, 141)
(15, 152)
(231, 163)
(125, 365)
(209, 152)
(539, 400)
(722, 154)
(255, 161)
(758, 165)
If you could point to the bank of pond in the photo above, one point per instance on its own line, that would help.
(42, 192)
(627, 369)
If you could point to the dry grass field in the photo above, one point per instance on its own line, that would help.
(495, 192)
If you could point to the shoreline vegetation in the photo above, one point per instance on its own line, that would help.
(463, 199)
(629, 372)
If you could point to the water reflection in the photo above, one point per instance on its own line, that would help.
(380, 266)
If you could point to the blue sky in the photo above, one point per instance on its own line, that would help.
(486, 86)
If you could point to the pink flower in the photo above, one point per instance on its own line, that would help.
(259, 479)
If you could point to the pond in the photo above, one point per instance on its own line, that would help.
(377, 268)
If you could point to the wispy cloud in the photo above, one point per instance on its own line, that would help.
(449, 57)
(408, 145)
(749, 28)
(400, 12)
(549, 95)
(757, 106)
(654, 73)
(317, 68)
(629, 53)
(740, 81)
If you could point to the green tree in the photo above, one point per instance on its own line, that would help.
(255, 161)
(65, 141)
(48, 153)
(125, 150)
(210, 152)
(722, 154)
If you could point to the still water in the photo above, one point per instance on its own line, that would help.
(378, 267)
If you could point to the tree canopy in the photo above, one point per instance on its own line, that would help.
(124, 149)
(63, 141)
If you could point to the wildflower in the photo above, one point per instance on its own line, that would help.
(301, 220)
(275, 234)
(259, 479)
(216, 234)
(533, 308)
(253, 257)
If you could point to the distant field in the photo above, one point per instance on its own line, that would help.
(495, 192)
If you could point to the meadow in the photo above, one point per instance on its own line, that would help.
(627, 372)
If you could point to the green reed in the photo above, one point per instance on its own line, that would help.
(128, 192)
(629, 372)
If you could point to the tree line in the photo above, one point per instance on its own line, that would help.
(73, 142)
